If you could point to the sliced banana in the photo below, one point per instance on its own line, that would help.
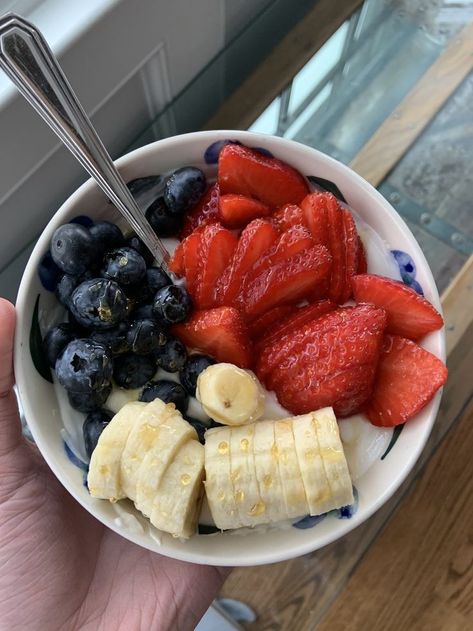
(251, 508)
(172, 433)
(230, 394)
(267, 471)
(104, 470)
(291, 478)
(218, 482)
(319, 496)
(177, 502)
(333, 457)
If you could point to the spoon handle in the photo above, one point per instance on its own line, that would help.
(31, 65)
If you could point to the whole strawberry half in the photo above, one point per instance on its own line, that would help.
(407, 378)
(330, 361)
(409, 314)
(220, 333)
(244, 171)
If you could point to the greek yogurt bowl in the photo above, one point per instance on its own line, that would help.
(379, 458)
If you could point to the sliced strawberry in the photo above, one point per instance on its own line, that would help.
(216, 249)
(407, 378)
(248, 172)
(362, 262)
(328, 361)
(204, 212)
(264, 323)
(235, 211)
(176, 262)
(336, 233)
(409, 314)
(286, 282)
(254, 240)
(288, 216)
(351, 242)
(293, 322)
(314, 207)
(191, 249)
(219, 332)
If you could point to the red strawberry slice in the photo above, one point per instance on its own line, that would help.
(362, 261)
(204, 212)
(407, 378)
(235, 211)
(314, 207)
(288, 281)
(296, 320)
(328, 361)
(288, 216)
(336, 234)
(264, 323)
(176, 262)
(191, 248)
(247, 172)
(255, 239)
(219, 332)
(217, 245)
(351, 252)
(409, 314)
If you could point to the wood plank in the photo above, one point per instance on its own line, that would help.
(287, 58)
(296, 594)
(419, 573)
(457, 301)
(389, 143)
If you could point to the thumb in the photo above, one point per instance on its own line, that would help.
(10, 427)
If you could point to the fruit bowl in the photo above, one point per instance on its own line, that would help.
(52, 421)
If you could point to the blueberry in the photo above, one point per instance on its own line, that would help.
(48, 272)
(93, 426)
(133, 371)
(154, 279)
(199, 427)
(67, 284)
(171, 304)
(137, 244)
(144, 312)
(124, 265)
(192, 369)
(172, 356)
(84, 365)
(56, 341)
(163, 222)
(146, 189)
(72, 248)
(115, 339)
(183, 189)
(106, 236)
(99, 303)
(145, 336)
(167, 391)
(88, 401)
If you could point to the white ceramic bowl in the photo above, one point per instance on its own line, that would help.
(47, 419)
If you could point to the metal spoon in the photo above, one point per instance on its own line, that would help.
(31, 65)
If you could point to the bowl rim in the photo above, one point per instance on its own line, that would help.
(21, 337)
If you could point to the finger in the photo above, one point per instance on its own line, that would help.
(10, 427)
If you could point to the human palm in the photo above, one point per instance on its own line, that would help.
(60, 568)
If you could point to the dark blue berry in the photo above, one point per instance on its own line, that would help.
(115, 339)
(88, 401)
(56, 341)
(72, 248)
(83, 220)
(144, 311)
(183, 189)
(172, 304)
(93, 426)
(146, 189)
(137, 244)
(48, 272)
(124, 265)
(84, 365)
(172, 356)
(99, 303)
(167, 391)
(163, 222)
(154, 279)
(133, 371)
(106, 236)
(192, 369)
(199, 427)
(67, 284)
(145, 336)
